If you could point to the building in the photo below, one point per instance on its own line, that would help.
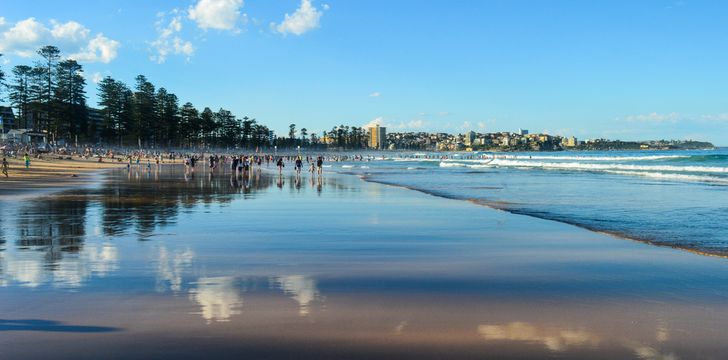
(469, 138)
(570, 142)
(378, 137)
(7, 119)
(328, 140)
(95, 122)
(522, 132)
(505, 140)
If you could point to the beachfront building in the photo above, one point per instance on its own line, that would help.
(7, 119)
(522, 132)
(469, 138)
(95, 122)
(569, 142)
(378, 137)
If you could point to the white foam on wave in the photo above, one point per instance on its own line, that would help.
(597, 158)
(671, 176)
(347, 166)
(597, 167)
(653, 174)
(454, 164)
(415, 160)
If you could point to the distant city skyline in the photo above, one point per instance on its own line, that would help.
(611, 69)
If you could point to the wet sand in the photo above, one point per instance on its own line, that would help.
(170, 265)
(50, 174)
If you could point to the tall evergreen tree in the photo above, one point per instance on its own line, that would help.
(167, 113)
(144, 112)
(209, 126)
(2, 81)
(20, 94)
(70, 99)
(116, 101)
(189, 124)
(51, 55)
(292, 134)
(35, 90)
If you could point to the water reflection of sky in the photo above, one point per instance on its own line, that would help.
(346, 259)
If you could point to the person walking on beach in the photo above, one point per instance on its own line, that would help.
(234, 165)
(280, 165)
(299, 165)
(320, 164)
(26, 158)
(5, 167)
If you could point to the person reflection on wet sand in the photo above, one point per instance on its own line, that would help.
(297, 181)
(234, 182)
(280, 182)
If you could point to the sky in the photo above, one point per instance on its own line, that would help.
(631, 70)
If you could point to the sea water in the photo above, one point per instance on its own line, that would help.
(672, 198)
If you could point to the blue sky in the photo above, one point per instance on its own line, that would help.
(616, 69)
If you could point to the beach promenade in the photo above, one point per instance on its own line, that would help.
(166, 265)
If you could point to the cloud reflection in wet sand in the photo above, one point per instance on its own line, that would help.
(32, 269)
(301, 289)
(170, 268)
(566, 339)
(559, 340)
(217, 297)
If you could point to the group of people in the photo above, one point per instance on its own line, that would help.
(6, 164)
(239, 165)
(314, 166)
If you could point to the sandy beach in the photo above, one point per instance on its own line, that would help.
(167, 265)
(51, 173)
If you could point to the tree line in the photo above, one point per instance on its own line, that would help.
(49, 97)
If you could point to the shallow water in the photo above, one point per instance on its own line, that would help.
(165, 264)
(671, 198)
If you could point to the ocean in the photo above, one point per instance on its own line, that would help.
(670, 198)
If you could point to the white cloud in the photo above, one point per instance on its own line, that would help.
(25, 37)
(2, 21)
(99, 49)
(374, 122)
(71, 31)
(304, 19)
(654, 117)
(675, 117)
(409, 125)
(216, 14)
(97, 77)
(375, 94)
(168, 40)
(715, 117)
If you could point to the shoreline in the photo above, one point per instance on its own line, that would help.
(88, 171)
(494, 206)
